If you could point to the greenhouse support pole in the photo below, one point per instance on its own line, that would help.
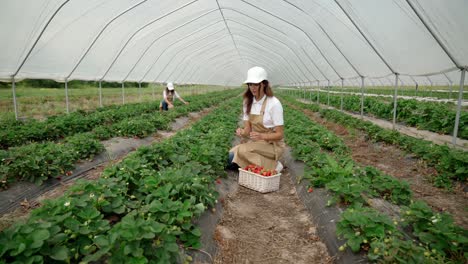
(139, 91)
(342, 91)
(15, 103)
(318, 92)
(395, 95)
(153, 92)
(460, 97)
(451, 86)
(100, 93)
(430, 89)
(310, 92)
(66, 96)
(328, 94)
(123, 93)
(362, 96)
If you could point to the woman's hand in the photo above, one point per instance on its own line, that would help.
(256, 136)
(239, 132)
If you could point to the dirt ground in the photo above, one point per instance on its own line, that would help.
(268, 228)
(399, 164)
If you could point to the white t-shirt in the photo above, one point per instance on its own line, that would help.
(176, 95)
(273, 115)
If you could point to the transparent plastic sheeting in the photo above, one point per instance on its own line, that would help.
(215, 41)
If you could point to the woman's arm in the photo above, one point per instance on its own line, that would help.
(275, 136)
(180, 98)
(183, 101)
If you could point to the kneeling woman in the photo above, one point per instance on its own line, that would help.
(263, 125)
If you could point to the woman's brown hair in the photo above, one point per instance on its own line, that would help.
(248, 96)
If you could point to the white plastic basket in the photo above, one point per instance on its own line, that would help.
(259, 183)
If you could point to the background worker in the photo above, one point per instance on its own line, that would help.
(168, 97)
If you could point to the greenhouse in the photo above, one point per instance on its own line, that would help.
(233, 131)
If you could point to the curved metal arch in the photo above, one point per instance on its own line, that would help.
(279, 54)
(316, 66)
(224, 67)
(227, 64)
(365, 37)
(99, 35)
(223, 52)
(289, 73)
(305, 33)
(436, 37)
(230, 63)
(326, 34)
(186, 71)
(180, 39)
(284, 59)
(275, 29)
(159, 37)
(254, 59)
(192, 53)
(196, 52)
(227, 27)
(37, 39)
(196, 64)
(341, 52)
(183, 49)
(282, 44)
(267, 26)
(173, 57)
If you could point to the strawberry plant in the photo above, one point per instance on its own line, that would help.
(392, 249)
(436, 230)
(361, 225)
(84, 146)
(37, 162)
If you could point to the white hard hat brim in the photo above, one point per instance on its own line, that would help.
(253, 80)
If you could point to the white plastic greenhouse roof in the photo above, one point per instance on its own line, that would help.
(299, 42)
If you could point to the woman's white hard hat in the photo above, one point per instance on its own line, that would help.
(170, 86)
(256, 75)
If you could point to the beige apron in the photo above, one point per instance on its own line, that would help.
(259, 152)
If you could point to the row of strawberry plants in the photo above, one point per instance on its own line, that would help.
(16, 133)
(404, 91)
(451, 164)
(431, 116)
(37, 162)
(438, 238)
(57, 127)
(333, 168)
(139, 211)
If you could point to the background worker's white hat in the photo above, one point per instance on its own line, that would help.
(170, 86)
(256, 75)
